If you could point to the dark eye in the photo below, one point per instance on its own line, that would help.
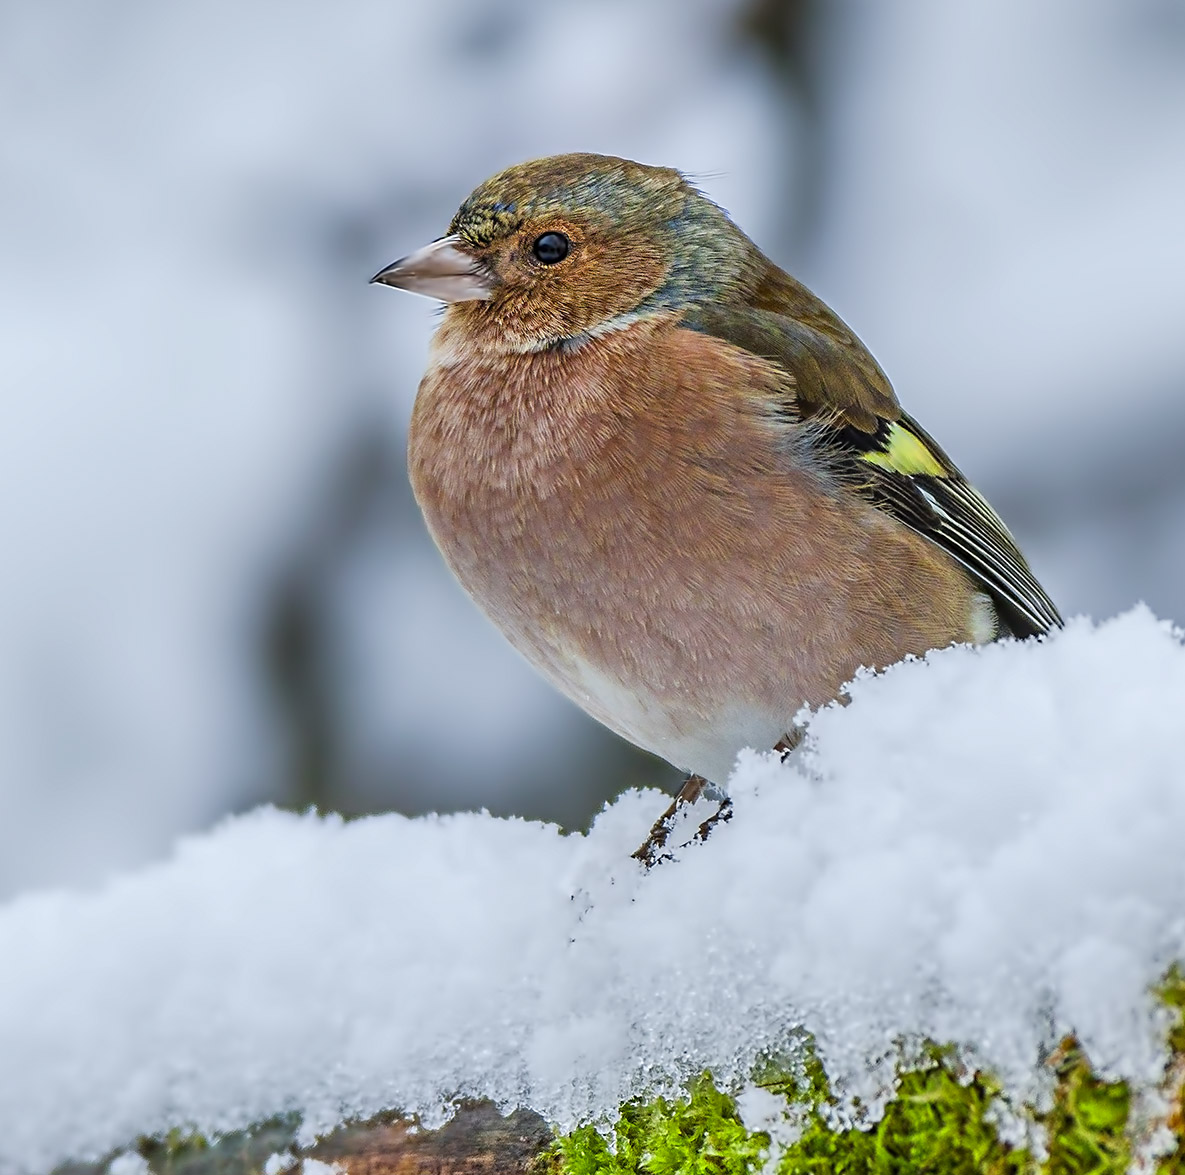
(550, 248)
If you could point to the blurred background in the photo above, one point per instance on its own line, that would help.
(216, 588)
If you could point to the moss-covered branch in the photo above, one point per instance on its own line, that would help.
(941, 1120)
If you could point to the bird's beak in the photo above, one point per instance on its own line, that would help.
(439, 270)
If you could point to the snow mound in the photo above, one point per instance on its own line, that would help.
(984, 846)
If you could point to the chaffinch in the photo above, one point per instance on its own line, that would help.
(672, 476)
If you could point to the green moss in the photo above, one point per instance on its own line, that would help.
(1172, 995)
(936, 1122)
(702, 1134)
(182, 1152)
(177, 1144)
(1087, 1127)
(939, 1121)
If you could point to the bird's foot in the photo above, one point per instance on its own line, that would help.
(653, 850)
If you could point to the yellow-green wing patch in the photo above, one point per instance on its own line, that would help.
(904, 472)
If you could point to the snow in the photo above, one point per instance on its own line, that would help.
(131, 1163)
(984, 846)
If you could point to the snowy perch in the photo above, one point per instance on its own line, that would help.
(984, 848)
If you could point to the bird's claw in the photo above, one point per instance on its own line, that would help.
(653, 850)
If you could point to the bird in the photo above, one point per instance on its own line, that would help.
(671, 475)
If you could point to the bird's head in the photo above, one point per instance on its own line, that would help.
(566, 247)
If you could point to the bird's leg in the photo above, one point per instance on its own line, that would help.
(722, 815)
(650, 852)
(692, 789)
(790, 742)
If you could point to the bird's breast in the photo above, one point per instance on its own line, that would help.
(644, 525)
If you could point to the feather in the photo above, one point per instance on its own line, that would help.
(873, 446)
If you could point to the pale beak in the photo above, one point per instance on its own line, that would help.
(439, 270)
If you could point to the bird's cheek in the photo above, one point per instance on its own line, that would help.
(616, 286)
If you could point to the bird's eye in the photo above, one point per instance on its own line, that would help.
(550, 248)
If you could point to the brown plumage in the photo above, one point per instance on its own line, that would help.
(669, 473)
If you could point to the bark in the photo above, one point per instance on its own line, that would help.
(477, 1141)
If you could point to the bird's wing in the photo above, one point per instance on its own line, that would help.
(881, 452)
(833, 371)
(901, 469)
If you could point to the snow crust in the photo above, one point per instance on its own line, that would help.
(984, 846)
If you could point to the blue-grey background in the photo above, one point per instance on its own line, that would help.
(216, 590)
